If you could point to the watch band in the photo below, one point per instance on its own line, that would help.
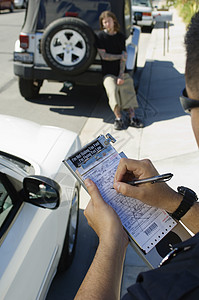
(189, 197)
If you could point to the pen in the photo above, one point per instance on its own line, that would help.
(158, 178)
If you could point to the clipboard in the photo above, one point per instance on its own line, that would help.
(151, 230)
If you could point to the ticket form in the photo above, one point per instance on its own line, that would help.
(146, 225)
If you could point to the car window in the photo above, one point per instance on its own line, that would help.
(5, 203)
(10, 202)
(141, 3)
(17, 162)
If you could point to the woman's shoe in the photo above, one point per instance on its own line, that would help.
(118, 124)
(135, 122)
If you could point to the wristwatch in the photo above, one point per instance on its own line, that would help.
(189, 197)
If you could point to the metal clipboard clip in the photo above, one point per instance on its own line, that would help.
(101, 146)
(105, 141)
(109, 138)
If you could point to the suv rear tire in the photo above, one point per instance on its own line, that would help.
(29, 88)
(67, 45)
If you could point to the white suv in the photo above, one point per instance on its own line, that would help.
(57, 42)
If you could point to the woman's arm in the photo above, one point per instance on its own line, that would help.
(107, 56)
(122, 64)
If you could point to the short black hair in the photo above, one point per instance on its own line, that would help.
(192, 51)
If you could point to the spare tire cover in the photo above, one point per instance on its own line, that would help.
(68, 45)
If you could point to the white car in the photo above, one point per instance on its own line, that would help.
(20, 3)
(39, 201)
(142, 12)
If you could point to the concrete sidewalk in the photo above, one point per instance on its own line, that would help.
(167, 138)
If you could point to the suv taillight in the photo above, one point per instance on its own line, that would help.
(147, 14)
(24, 41)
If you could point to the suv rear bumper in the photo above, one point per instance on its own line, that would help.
(29, 71)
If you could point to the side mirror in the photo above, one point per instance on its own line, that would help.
(41, 191)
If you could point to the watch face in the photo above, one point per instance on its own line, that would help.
(189, 193)
(181, 190)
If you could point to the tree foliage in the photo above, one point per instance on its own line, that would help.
(187, 8)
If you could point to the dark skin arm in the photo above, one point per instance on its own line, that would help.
(159, 195)
(103, 279)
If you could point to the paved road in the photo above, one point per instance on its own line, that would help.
(69, 111)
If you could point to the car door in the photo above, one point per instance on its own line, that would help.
(28, 244)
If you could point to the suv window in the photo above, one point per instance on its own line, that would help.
(86, 10)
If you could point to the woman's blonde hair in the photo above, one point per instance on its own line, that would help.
(107, 14)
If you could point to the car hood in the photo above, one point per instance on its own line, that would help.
(44, 145)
